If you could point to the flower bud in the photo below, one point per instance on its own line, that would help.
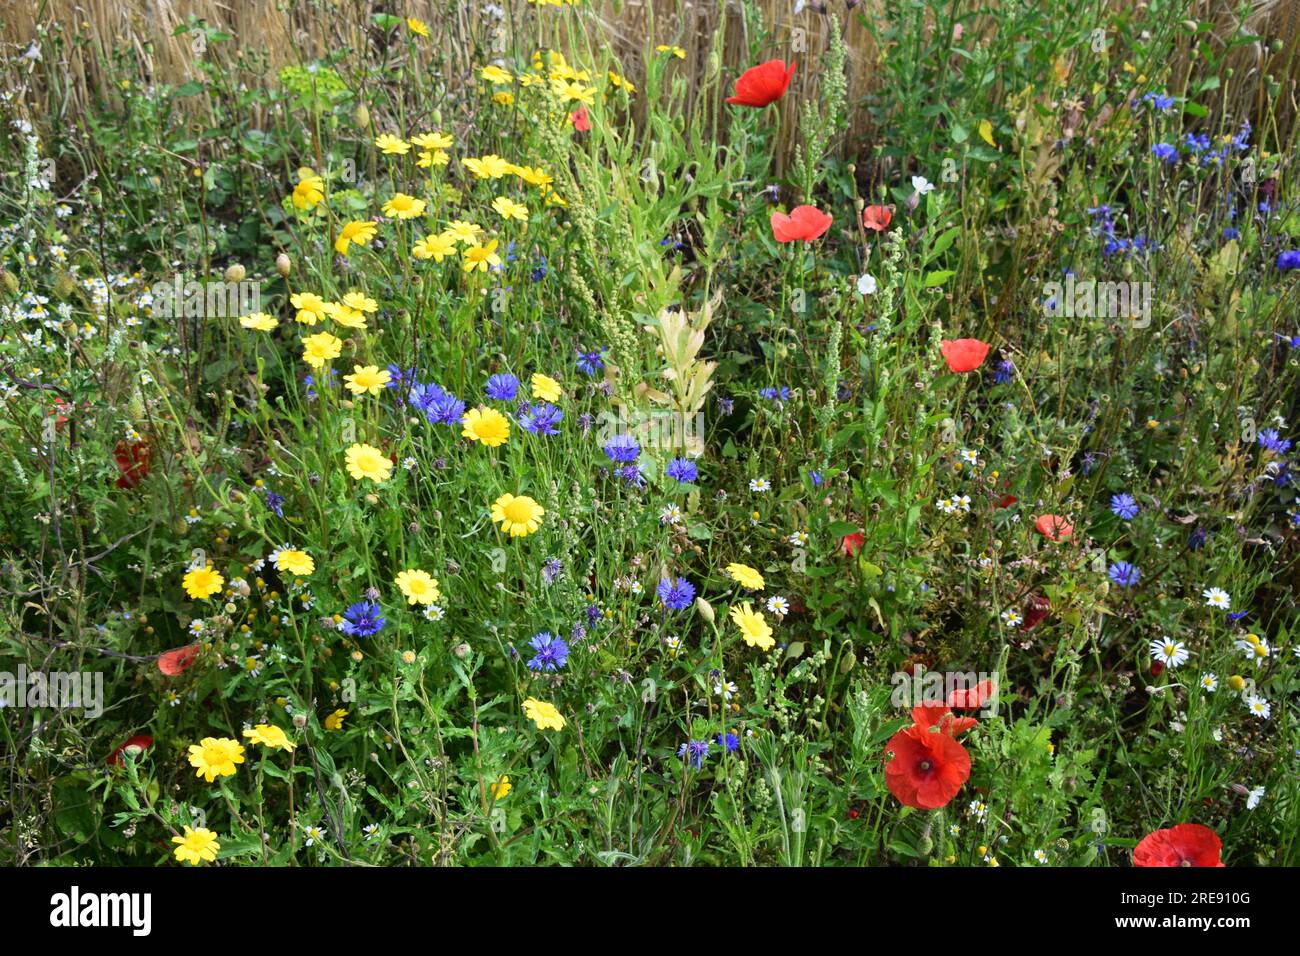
(236, 273)
(283, 265)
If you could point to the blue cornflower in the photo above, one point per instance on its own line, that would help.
(362, 619)
(682, 470)
(1124, 506)
(423, 397)
(447, 410)
(623, 448)
(1289, 260)
(1160, 101)
(1124, 574)
(781, 394)
(632, 475)
(1230, 233)
(696, 750)
(541, 418)
(1165, 152)
(1005, 369)
(726, 405)
(539, 273)
(397, 377)
(1270, 440)
(593, 614)
(552, 570)
(552, 652)
(589, 363)
(502, 387)
(816, 477)
(676, 595)
(274, 501)
(729, 742)
(1197, 539)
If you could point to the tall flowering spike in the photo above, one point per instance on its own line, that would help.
(762, 85)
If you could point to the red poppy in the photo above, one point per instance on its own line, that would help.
(60, 406)
(963, 355)
(852, 543)
(877, 218)
(1006, 501)
(135, 745)
(929, 716)
(1188, 844)
(1036, 611)
(762, 85)
(580, 120)
(132, 461)
(971, 698)
(804, 224)
(927, 770)
(178, 661)
(1054, 527)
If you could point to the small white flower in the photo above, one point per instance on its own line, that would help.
(867, 284)
(1040, 856)
(314, 834)
(759, 484)
(1253, 798)
(1259, 706)
(671, 514)
(1170, 652)
(370, 830)
(1011, 617)
(778, 605)
(1217, 597)
(434, 612)
(922, 185)
(1209, 683)
(799, 539)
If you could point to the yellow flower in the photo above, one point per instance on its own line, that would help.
(574, 92)
(495, 75)
(335, 720)
(1237, 683)
(269, 736)
(618, 81)
(746, 576)
(501, 789)
(196, 846)
(310, 189)
(503, 98)
(310, 306)
(202, 583)
(345, 315)
(534, 176)
(258, 322)
(546, 388)
(391, 145)
(358, 231)
(674, 50)
(434, 247)
(487, 426)
(481, 257)
(297, 563)
(361, 302)
(321, 348)
(753, 627)
(433, 141)
(462, 231)
(216, 757)
(509, 209)
(544, 715)
(418, 27)
(420, 587)
(490, 166)
(367, 379)
(433, 157)
(367, 461)
(519, 516)
(402, 206)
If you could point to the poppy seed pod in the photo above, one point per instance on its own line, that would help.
(236, 273)
(283, 265)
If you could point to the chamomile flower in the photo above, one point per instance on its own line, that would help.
(1217, 597)
(1169, 652)
(778, 605)
(1259, 707)
(1209, 682)
(1011, 617)
(760, 485)
(799, 539)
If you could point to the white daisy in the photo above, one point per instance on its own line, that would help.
(1259, 706)
(1209, 683)
(1040, 856)
(1170, 652)
(1217, 597)
(1011, 617)
(778, 605)
(759, 484)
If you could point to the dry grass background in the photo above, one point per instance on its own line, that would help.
(273, 33)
